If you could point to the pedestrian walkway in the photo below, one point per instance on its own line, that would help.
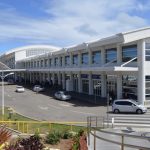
(133, 120)
(126, 124)
(105, 145)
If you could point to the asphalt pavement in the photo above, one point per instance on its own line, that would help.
(44, 106)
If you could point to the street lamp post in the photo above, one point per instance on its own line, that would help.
(3, 77)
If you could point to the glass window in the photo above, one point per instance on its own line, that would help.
(111, 54)
(147, 87)
(124, 103)
(85, 58)
(31, 64)
(45, 62)
(67, 60)
(147, 51)
(96, 57)
(34, 63)
(41, 63)
(61, 61)
(56, 61)
(129, 52)
(129, 86)
(50, 62)
(147, 45)
(75, 59)
(97, 87)
(38, 63)
(85, 86)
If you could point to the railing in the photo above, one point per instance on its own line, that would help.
(128, 61)
(30, 127)
(99, 125)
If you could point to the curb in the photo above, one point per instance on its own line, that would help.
(23, 115)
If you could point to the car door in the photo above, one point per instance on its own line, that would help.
(128, 106)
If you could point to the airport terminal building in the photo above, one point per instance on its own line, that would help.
(118, 65)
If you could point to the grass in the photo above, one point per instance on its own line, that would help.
(27, 125)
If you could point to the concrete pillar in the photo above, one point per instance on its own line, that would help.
(119, 86)
(103, 85)
(63, 81)
(79, 83)
(141, 71)
(40, 76)
(71, 59)
(53, 79)
(90, 84)
(79, 59)
(71, 81)
(59, 79)
(30, 77)
(90, 57)
(119, 55)
(103, 57)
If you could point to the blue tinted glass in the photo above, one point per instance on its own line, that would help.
(147, 45)
(111, 54)
(75, 59)
(67, 60)
(129, 52)
(85, 58)
(96, 59)
(147, 52)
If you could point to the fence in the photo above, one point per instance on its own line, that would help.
(100, 126)
(31, 127)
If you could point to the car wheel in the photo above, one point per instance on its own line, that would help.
(139, 111)
(116, 111)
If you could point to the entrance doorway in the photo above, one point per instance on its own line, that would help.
(112, 86)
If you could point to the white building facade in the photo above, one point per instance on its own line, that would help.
(118, 65)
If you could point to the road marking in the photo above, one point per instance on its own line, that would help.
(8, 95)
(43, 108)
(66, 105)
(54, 106)
(80, 112)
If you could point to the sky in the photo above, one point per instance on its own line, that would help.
(67, 22)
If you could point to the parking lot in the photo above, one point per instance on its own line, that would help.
(43, 106)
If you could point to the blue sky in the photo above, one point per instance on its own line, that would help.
(66, 22)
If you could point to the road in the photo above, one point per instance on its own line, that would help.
(45, 107)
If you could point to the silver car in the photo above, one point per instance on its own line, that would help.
(127, 105)
(38, 88)
(62, 95)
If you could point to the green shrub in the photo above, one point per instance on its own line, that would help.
(53, 137)
(76, 139)
(80, 132)
(67, 135)
(37, 135)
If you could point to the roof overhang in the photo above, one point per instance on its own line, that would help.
(13, 70)
(100, 69)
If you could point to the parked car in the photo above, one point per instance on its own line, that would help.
(127, 105)
(62, 95)
(20, 89)
(38, 88)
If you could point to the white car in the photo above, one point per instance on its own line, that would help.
(20, 89)
(38, 88)
(127, 105)
(62, 95)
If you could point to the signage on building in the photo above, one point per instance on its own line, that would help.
(95, 76)
(84, 76)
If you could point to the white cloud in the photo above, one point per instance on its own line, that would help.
(73, 21)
